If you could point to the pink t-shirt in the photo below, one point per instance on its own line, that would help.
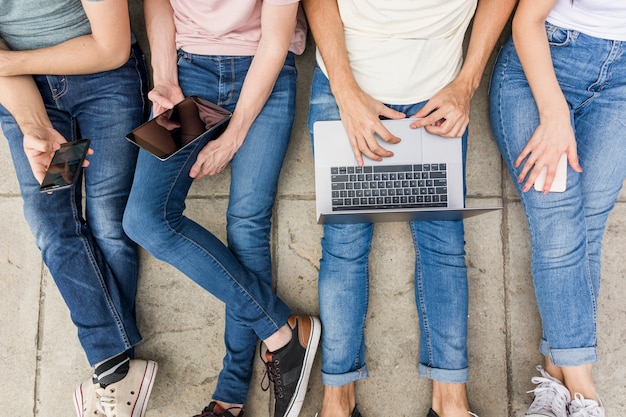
(227, 27)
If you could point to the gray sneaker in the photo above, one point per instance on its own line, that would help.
(551, 396)
(432, 413)
(582, 407)
(129, 396)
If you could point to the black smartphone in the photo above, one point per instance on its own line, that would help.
(171, 131)
(66, 166)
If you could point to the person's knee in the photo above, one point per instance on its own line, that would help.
(141, 225)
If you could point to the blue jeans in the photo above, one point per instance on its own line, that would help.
(440, 283)
(566, 229)
(241, 274)
(92, 261)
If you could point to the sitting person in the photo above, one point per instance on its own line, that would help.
(66, 68)
(241, 56)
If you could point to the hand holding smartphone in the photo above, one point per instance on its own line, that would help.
(66, 166)
(560, 179)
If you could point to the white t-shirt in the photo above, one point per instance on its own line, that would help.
(226, 27)
(404, 51)
(604, 19)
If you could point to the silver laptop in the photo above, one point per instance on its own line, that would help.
(423, 180)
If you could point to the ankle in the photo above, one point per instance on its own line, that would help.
(338, 401)
(279, 339)
(450, 400)
(578, 379)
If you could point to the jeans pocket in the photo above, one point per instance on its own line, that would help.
(558, 36)
(183, 57)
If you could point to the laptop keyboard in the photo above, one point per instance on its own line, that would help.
(389, 186)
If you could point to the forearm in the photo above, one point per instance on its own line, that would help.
(489, 21)
(327, 29)
(266, 65)
(256, 89)
(82, 55)
(105, 48)
(20, 96)
(533, 50)
(161, 32)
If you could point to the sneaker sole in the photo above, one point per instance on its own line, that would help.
(298, 399)
(145, 389)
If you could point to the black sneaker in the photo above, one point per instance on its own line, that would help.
(215, 410)
(289, 367)
(355, 413)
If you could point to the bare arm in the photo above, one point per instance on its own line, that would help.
(277, 26)
(20, 96)
(359, 112)
(107, 47)
(159, 17)
(554, 135)
(447, 113)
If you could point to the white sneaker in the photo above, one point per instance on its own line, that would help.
(129, 396)
(551, 396)
(582, 407)
(85, 401)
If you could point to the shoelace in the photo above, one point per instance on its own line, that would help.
(582, 407)
(549, 395)
(209, 413)
(106, 405)
(206, 413)
(272, 375)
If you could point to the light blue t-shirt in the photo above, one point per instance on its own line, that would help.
(32, 24)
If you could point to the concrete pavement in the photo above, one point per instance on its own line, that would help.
(41, 360)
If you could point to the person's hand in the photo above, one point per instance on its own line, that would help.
(550, 140)
(40, 143)
(164, 97)
(216, 155)
(447, 112)
(360, 115)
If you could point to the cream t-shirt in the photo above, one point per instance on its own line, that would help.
(404, 51)
(226, 27)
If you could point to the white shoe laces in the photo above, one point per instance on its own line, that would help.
(106, 405)
(550, 395)
(582, 407)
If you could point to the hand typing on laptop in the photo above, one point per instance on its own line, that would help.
(447, 112)
(360, 114)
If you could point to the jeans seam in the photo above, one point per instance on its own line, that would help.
(358, 359)
(422, 304)
(88, 250)
(139, 77)
(594, 296)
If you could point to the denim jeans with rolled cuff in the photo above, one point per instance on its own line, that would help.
(566, 229)
(441, 290)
